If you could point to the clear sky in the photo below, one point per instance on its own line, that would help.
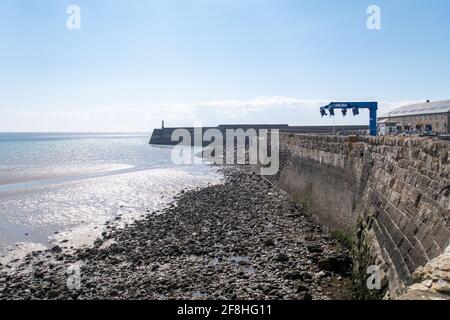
(136, 62)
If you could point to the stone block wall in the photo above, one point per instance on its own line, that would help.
(391, 193)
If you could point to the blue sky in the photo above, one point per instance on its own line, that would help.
(135, 62)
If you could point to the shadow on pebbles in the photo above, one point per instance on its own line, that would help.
(243, 239)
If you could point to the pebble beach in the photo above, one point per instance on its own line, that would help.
(242, 239)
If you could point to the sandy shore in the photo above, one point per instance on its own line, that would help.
(243, 239)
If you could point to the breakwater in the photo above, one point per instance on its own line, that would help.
(163, 136)
(390, 194)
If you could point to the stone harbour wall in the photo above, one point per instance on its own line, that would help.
(391, 194)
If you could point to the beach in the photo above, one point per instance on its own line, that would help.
(241, 239)
(65, 187)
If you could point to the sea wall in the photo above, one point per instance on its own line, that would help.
(391, 194)
(163, 136)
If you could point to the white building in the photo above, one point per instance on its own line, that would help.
(428, 117)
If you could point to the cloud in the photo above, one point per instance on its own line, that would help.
(236, 109)
(241, 108)
(275, 109)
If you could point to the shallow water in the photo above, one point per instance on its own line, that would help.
(64, 187)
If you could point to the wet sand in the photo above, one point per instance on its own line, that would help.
(243, 239)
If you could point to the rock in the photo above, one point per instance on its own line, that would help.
(441, 286)
(294, 275)
(428, 283)
(302, 287)
(432, 281)
(114, 293)
(307, 275)
(305, 296)
(188, 248)
(274, 293)
(39, 294)
(52, 294)
(422, 295)
(418, 287)
(56, 249)
(337, 263)
(314, 248)
(281, 257)
(269, 243)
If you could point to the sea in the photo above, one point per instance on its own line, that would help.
(63, 188)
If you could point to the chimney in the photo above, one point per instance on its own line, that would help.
(162, 124)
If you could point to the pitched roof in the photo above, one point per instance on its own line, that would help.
(433, 107)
